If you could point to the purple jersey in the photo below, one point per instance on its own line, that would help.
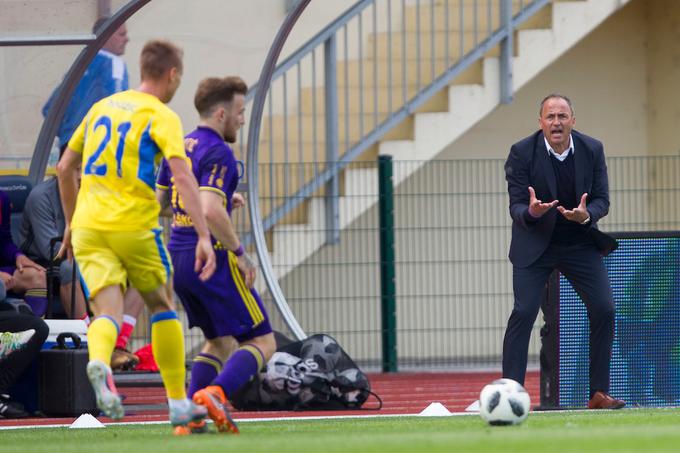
(223, 305)
(215, 168)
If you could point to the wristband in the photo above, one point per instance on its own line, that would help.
(239, 251)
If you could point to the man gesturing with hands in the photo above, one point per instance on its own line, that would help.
(558, 190)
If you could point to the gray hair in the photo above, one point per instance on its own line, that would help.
(555, 96)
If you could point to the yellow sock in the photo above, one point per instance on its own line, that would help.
(101, 338)
(167, 343)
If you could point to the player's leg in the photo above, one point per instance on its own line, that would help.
(239, 369)
(167, 342)
(255, 347)
(234, 310)
(107, 306)
(251, 356)
(103, 279)
(256, 344)
(208, 363)
(205, 368)
(150, 271)
(122, 358)
(204, 307)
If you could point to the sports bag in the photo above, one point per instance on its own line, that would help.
(311, 374)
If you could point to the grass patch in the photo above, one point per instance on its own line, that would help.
(634, 430)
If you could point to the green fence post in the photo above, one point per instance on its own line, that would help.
(388, 291)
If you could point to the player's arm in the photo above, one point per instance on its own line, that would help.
(67, 174)
(187, 187)
(163, 198)
(222, 228)
(237, 200)
(163, 190)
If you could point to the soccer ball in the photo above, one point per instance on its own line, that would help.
(504, 402)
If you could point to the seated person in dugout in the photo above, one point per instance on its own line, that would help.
(21, 337)
(21, 276)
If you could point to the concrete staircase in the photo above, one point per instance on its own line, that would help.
(474, 94)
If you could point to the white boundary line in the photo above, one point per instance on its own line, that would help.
(328, 417)
(240, 420)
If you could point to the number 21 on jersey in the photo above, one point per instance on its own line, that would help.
(91, 167)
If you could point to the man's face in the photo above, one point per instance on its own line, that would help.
(557, 121)
(116, 43)
(234, 117)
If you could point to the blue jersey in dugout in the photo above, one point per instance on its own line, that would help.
(223, 305)
(105, 75)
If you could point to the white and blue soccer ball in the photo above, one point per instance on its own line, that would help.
(504, 402)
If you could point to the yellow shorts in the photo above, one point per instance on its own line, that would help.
(113, 257)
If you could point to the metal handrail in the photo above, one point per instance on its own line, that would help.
(313, 43)
(503, 36)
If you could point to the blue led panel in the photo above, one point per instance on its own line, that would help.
(645, 370)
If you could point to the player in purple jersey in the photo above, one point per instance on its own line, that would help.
(225, 307)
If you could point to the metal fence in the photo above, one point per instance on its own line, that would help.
(452, 233)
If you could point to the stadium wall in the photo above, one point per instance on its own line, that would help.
(622, 79)
(455, 296)
(218, 37)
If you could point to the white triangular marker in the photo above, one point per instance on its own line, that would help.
(474, 407)
(435, 410)
(87, 421)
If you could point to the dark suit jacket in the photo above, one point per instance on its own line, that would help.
(529, 165)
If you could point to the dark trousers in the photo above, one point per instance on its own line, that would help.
(582, 265)
(14, 364)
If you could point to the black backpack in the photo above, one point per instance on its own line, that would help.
(311, 374)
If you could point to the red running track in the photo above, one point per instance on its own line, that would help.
(402, 394)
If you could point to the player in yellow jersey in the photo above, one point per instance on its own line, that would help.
(112, 225)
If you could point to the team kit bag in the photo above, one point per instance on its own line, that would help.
(311, 374)
(64, 387)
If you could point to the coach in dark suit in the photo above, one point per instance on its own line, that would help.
(558, 188)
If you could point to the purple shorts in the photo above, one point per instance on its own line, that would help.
(223, 305)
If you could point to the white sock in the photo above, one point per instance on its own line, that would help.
(130, 320)
(179, 405)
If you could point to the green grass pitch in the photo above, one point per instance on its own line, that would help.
(636, 430)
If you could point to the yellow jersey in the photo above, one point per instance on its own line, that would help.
(122, 140)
